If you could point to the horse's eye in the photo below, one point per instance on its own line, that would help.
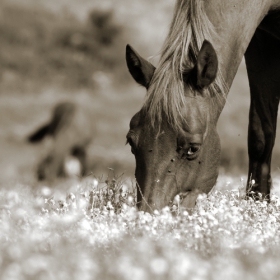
(192, 150)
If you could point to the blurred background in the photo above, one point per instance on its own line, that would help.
(52, 51)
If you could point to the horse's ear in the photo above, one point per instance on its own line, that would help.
(206, 65)
(140, 69)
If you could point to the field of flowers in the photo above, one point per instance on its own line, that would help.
(53, 51)
(91, 230)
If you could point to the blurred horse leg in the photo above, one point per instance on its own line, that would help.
(263, 66)
(51, 167)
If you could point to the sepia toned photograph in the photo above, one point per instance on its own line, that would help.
(139, 139)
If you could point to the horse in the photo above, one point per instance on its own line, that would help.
(71, 130)
(173, 137)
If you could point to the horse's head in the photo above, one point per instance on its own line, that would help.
(179, 155)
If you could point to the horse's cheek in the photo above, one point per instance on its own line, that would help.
(187, 174)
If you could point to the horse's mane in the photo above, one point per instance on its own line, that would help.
(166, 95)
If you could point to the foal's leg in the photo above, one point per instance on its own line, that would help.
(263, 66)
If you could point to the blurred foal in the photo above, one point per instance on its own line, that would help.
(71, 130)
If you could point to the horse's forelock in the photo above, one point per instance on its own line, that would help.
(166, 95)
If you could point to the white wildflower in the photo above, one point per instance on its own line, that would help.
(159, 266)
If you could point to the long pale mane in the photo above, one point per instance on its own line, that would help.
(166, 95)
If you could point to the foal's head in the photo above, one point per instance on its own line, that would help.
(173, 137)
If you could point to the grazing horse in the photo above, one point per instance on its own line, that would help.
(71, 129)
(173, 136)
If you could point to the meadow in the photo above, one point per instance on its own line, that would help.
(93, 231)
(89, 228)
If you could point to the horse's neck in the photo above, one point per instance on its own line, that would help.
(235, 22)
(275, 4)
